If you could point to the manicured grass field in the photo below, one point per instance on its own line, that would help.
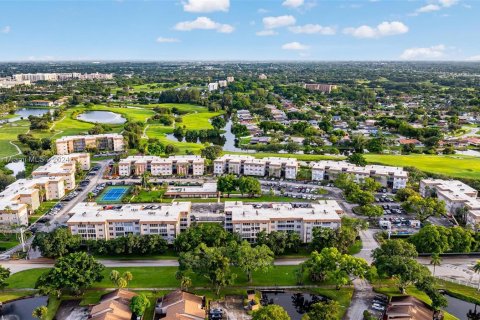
(198, 121)
(10, 295)
(7, 241)
(452, 165)
(145, 196)
(9, 132)
(44, 207)
(164, 277)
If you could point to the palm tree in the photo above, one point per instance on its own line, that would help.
(90, 196)
(185, 283)
(435, 260)
(40, 312)
(476, 269)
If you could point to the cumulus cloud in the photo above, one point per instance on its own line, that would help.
(427, 53)
(382, 30)
(6, 29)
(167, 40)
(435, 6)
(206, 5)
(278, 22)
(313, 29)
(294, 46)
(265, 33)
(204, 23)
(292, 3)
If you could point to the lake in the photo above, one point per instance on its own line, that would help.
(22, 309)
(16, 167)
(295, 303)
(105, 117)
(24, 113)
(463, 310)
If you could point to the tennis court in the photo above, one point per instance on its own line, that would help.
(113, 194)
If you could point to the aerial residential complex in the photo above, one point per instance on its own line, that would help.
(24, 196)
(248, 165)
(325, 88)
(104, 142)
(456, 194)
(157, 166)
(391, 177)
(63, 166)
(249, 219)
(48, 182)
(34, 77)
(93, 221)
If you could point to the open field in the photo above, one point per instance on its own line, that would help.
(451, 165)
(9, 132)
(164, 277)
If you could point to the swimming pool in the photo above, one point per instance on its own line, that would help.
(113, 194)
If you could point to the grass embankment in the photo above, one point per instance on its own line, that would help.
(459, 166)
(44, 208)
(388, 288)
(164, 277)
(8, 240)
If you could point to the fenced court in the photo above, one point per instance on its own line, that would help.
(113, 194)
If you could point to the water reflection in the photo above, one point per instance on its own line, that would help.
(106, 117)
(296, 304)
(22, 309)
(461, 309)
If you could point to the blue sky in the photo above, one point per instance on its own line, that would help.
(240, 30)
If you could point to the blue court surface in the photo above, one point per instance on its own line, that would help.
(113, 194)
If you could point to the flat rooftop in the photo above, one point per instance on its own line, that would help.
(351, 168)
(91, 212)
(210, 187)
(8, 197)
(92, 136)
(327, 210)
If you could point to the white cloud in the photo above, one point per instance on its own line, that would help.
(427, 53)
(278, 22)
(293, 3)
(206, 5)
(382, 30)
(435, 5)
(6, 29)
(167, 40)
(265, 33)
(294, 46)
(204, 23)
(313, 29)
(428, 8)
(474, 58)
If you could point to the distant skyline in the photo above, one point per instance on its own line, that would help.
(239, 30)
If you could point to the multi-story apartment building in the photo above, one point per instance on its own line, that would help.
(93, 222)
(250, 219)
(456, 195)
(24, 196)
(175, 165)
(34, 77)
(250, 166)
(230, 79)
(63, 166)
(103, 142)
(390, 177)
(325, 88)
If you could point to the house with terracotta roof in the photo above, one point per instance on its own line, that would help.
(113, 306)
(410, 141)
(180, 305)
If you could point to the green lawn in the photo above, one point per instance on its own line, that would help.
(8, 240)
(9, 132)
(164, 277)
(10, 295)
(198, 121)
(44, 208)
(452, 165)
(145, 196)
(460, 291)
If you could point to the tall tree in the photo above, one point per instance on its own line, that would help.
(250, 259)
(271, 312)
(4, 274)
(329, 310)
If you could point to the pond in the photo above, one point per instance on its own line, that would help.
(463, 310)
(22, 309)
(295, 303)
(24, 113)
(105, 117)
(16, 167)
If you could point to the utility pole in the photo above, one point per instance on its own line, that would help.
(22, 239)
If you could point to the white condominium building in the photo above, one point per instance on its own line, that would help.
(34, 77)
(249, 219)
(391, 177)
(25, 195)
(456, 194)
(175, 165)
(250, 166)
(107, 142)
(93, 222)
(63, 166)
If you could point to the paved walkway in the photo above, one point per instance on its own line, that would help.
(362, 297)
